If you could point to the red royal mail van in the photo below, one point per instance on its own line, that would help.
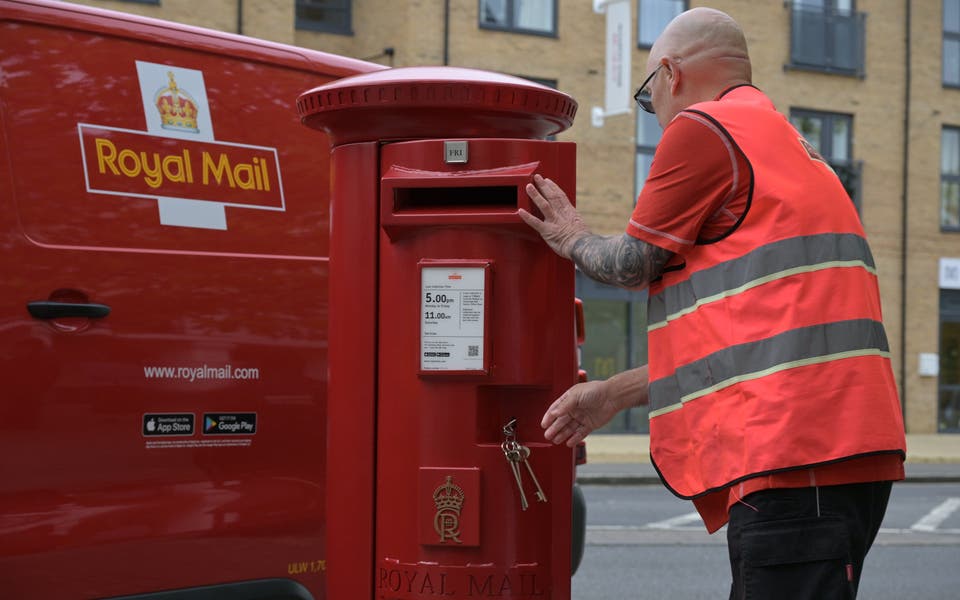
(163, 310)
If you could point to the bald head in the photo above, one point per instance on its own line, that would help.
(703, 33)
(709, 51)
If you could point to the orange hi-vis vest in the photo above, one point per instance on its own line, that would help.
(767, 349)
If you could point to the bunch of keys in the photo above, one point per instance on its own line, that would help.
(515, 452)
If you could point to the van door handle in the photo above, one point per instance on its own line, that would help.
(59, 310)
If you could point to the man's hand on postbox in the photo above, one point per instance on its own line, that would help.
(587, 406)
(561, 226)
(580, 410)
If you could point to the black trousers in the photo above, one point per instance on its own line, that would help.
(804, 543)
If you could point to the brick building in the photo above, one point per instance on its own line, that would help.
(873, 84)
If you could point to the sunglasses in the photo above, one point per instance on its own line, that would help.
(643, 96)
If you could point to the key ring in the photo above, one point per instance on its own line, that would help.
(510, 430)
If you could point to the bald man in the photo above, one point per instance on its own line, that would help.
(772, 400)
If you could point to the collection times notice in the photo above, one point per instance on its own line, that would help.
(452, 318)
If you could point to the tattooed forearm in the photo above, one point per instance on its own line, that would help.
(623, 261)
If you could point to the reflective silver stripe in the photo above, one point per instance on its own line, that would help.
(778, 260)
(800, 347)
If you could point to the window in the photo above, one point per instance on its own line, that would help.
(550, 83)
(523, 16)
(648, 136)
(331, 16)
(951, 43)
(616, 325)
(827, 35)
(950, 179)
(653, 16)
(831, 135)
(948, 410)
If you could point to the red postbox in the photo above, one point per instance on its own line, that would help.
(451, 331)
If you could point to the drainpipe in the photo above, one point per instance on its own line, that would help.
(904, 220)
(446, 32)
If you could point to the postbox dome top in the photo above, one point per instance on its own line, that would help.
(435, 102)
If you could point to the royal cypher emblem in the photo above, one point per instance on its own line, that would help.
(448, 498)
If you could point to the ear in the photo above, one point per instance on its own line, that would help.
(674, 74)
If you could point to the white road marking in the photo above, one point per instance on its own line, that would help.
(691, 522)
(932, 520)
(675, 522)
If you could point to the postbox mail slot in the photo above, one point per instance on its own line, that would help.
(449, 199)
(413, 204)
(412, 197)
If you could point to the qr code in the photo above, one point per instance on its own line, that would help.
(473, 351)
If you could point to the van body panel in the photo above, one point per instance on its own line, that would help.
(161, 171)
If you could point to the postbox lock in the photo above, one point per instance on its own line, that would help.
(455, 153)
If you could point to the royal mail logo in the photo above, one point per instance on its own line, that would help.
(177, 161)
(132, 163)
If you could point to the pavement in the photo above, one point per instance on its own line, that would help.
(624, 459)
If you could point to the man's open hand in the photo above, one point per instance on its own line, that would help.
(561, 226)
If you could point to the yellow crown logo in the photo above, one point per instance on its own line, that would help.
(178, 110)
